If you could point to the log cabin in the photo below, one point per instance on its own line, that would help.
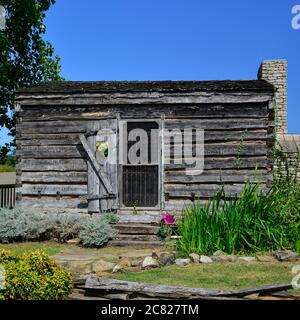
(74, 140)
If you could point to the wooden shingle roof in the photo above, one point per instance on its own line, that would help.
(68, 87)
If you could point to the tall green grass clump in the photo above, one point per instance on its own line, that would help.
(253, 221)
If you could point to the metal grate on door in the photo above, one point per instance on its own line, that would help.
(140, 186)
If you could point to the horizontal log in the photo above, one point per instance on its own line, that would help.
(178, 205)
(220, 149)
(143, 98)
(106, 285)
(53, 203)
(50, 189)
(52, 152)
(209, 136)
(48, 140)
(228, 176)
(220, 163)
(50, 177)
(203, 190)
(224, 136)
(53, 165)
(220, 124)
(53, 127)
(255, 110)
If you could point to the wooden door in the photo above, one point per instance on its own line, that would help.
(141, 180)
(100, 144)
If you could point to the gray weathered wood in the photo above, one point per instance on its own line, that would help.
(110, 169)
(219, 124)
(106, 285)
(77, 112)
(180, 176)
(54, 176)
(202, 189)
(54, 189)
(53, 165)
(107, 170)
(55, 152)
(93, 177)
(49, 140)
(53, 127)
(50, 153)
(220, 149)
(51, 202)
(96, 165)
(143, 98)
(222, 163)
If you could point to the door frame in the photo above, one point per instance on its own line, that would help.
(120, 166)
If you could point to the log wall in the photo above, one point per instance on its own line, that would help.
(52, 165)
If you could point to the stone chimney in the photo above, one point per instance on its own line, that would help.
(275, 72)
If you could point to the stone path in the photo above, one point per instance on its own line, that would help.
(82, 261)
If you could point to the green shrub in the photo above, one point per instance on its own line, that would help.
(33, 276)
(96, 232)
(166, 230)
(23, 224)
(8, 163)
(254, 221)
(110, 218)
(7, 168)
(65, 226)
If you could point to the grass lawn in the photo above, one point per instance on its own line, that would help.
(227, 276)
(50, 247)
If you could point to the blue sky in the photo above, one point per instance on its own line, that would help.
(176, 40)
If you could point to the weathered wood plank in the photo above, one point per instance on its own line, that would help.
(53, 165)
(203, 190)
(93, 177)
(49, 140)
(50, 177)
(110, 169)
(77, 112)
(53, 152)
(178, 205)
(220, 124)
(57, 189)
(48, 202)
(228, 176)
(222, 163)
(105, 285)
(96, 165)
(67, 152)
(53, 127)
(143, 98)
(209, 136)
(229, 135)
(220, 149)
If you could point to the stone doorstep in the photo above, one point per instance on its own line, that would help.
(136, 228)
(140, 218)
(136, 237)
(135, 244)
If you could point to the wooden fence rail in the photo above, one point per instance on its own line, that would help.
(7, 196)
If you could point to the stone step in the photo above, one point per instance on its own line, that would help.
(140, 244)
(136, 228)
(138, 218)
(136, 237)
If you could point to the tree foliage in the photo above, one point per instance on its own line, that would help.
(25, 57)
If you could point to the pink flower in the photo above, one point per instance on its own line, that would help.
(168, 218)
